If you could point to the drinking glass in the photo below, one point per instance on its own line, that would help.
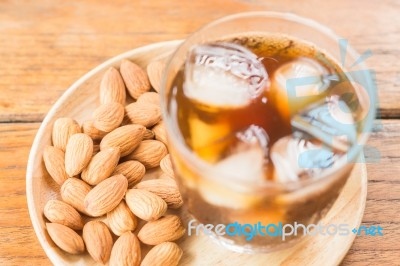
(211, 196)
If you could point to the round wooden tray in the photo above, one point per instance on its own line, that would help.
(81, 99)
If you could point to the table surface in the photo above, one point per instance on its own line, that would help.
(46, 45)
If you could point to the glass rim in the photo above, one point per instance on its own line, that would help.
(201, 165)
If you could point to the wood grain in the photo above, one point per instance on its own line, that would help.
(17, 235)
(383, 200)
(47, 45)
(15, 226)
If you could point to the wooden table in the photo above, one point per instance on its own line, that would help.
(46, 45)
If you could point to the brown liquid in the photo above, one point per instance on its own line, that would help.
(205, 130)
(263, 111)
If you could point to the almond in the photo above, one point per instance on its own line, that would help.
(106, 195)
(167, 253)
(166, 176)
(159, 131)
(167, 228)
(60, 212)
(134, 171)
(108, 116)
(149, 134)
(73, 192)
(135, 78)
(101, 166)
(126, 251)
(144, 114)
(63, 129)
(112, 87)
(89, 129)
(78, 153)
(127, 138)
(54, 161)
(121, 219)
(145, 204)
(65, 238)
(165, 189)
(98, 241)
(166, 165)
(149, 153)
(149, 97)
(154, 71)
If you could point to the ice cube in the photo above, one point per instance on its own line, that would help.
(241, 167)
(296, 84)
(252, 137)
(356, 97)
(246, 166)
(223, 74)
(230, 179)
(247, 153)
(297, 157)
(214, 143)
(330, 121)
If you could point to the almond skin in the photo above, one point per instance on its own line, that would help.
(165, 176)
(98, 241)
(165, 189)
(149, 134)
(121, 219)
(60, 212)
(149, 97)
(166, 165)
(167, 253)
(112, 87)
(54, 161)
(126, 251)
(127, 138)
(65, 238)
(154, 71)
(63, 129)
(145, 205)
(73, 192)
(108, 116)
(101, 166)
(89, 129)
(167, 228)
(134, 171)
(135, 78)
(106, 195)
(159, 131)
(144, 114)
(78, 153)
(149, 153)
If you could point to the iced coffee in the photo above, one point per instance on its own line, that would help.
(267, 120)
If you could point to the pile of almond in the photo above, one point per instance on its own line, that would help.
(100, 166)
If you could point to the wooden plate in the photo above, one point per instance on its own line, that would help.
(81, 99)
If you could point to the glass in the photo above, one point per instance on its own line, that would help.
(215, 197)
